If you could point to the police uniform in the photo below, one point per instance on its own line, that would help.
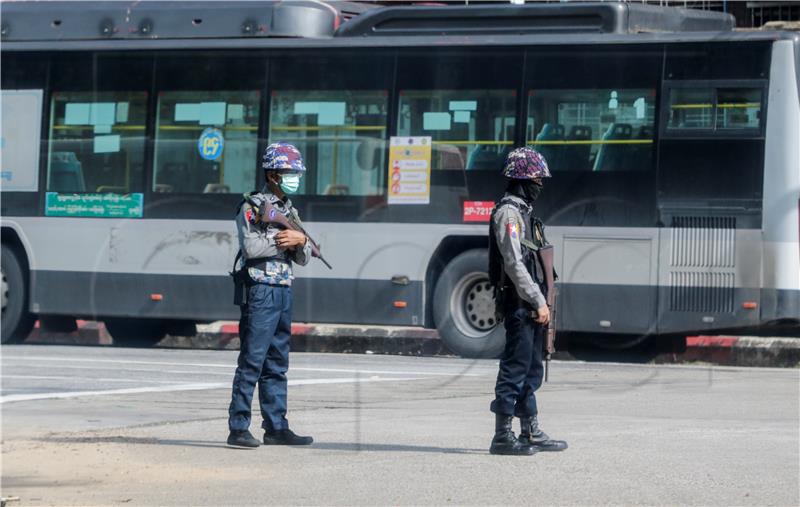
(266, 322)
(521, 369)
(518, 273)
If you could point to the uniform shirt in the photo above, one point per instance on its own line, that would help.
(257, 240)
(509, 227)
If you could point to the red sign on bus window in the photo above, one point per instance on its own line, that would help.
(477, 211)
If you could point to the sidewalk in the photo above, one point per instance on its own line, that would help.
(417, 341)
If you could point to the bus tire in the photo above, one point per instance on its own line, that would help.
(130, 332)
(17, 321)
(463, 308)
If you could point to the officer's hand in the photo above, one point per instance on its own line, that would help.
(290, 239)
(542, 315)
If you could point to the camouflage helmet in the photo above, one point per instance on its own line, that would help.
(525, 164)
(282, 157)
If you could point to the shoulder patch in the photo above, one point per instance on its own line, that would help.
(513, 229)
(249, 215)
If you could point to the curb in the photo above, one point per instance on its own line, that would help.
(417, 341)
(347, 339)
(743, 351)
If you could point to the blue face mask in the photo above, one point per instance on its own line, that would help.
(290, 183)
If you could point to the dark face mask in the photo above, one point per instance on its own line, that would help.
(531, 190)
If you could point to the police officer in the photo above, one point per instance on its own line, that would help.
(517, 272)
(265, 327)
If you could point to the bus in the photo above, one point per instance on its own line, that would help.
(131, 131)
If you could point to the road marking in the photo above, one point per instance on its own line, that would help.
(185, 387)
(230, 366)
(91, 379)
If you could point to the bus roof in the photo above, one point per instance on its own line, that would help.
(157, 24)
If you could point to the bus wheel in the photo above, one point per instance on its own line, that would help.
(463, 308)
(128, 332)
(17, 322)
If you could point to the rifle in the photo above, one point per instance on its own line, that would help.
(546, 256)
(268, 214)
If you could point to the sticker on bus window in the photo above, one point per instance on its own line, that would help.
(436, 121)
(463, 105)
(210, 144)
(478, 211)
(77, 113)
(20, 130)
(187, 112)
(328, 113)
(212, 113)
(461, 117)
(94, 205)
(103, 113)
(409, 170)
(106, 144)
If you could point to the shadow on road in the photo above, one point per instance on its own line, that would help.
(346, 446)
(119, 439)
(326, 446)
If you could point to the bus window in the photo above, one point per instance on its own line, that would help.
(97, 142)
(592, 130)
(470, 129)
(709, 110)
(738, 108)
(341, 134)
(691, 108)
(206, 141)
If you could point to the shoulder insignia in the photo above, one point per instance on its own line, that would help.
(513, 229)
(249, 214)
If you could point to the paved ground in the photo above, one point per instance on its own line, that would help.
(107, 426)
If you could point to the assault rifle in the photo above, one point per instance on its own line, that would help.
(546, 255)
(267, 213)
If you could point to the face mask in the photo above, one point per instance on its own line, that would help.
(531, 190)
(290, 183)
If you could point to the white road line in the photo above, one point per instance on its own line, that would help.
(184, 387)
(90, 379)
(229, 366)
(229, 373)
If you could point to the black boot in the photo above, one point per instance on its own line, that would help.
(504, 441)
(285, 437)
(535, 437)
(243, 439)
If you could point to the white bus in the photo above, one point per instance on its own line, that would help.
(130, 132)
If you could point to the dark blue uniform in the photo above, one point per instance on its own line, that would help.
(265, 327)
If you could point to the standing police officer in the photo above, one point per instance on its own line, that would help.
(266, 324)
(518, 275)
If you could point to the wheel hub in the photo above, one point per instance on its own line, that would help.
(472, 305)
(479, 305)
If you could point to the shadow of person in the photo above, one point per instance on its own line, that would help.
(119, 439)
(359, 447)
(325, 446)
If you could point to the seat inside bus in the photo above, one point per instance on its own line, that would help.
(66, 174)
(576, 157)
(487, 157)
(551, 152)
(611, 157)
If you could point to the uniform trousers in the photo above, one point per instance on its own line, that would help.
(265, 329)
(521, 368)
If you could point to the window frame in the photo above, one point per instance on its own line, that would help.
(714, 132)
(529, 97)
(51, 139)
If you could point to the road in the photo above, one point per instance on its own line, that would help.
(111, 426)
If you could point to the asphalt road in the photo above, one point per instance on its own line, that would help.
(108, 426)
